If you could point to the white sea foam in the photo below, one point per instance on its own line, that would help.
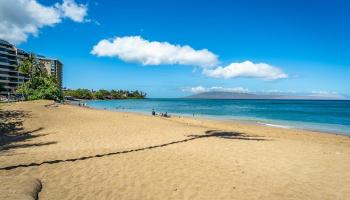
(275, 125)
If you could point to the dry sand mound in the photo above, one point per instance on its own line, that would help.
(19, 187)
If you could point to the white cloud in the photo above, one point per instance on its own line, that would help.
(201, 89)
(246, 69)
(21, 18)
(327, 94)
(72, 10)
(138, 50)
(323, 92)
(277, 92)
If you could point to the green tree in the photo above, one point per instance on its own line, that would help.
(79, 94)
(102, 94)
(39, 85)
(32, 67)
(116, 94)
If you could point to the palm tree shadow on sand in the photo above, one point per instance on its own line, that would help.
(208, 134)
(12, 133)
(228, 135)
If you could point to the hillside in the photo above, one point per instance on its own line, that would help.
(236, 95)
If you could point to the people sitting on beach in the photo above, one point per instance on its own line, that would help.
(153, 112)
(82, 104)
(165, 114)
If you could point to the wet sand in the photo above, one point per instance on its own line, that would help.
(82, 153)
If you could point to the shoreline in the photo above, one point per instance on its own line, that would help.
(228, 121)
(259, 122)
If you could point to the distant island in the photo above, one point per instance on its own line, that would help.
(241, 95)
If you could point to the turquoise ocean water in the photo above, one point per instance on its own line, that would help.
(327, 116)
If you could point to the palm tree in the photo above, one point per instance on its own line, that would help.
(39, 85)
(31, 67)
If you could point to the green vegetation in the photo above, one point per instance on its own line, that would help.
(40, 85)
(104, 94)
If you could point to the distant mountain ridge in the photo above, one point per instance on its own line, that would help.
(239, 95)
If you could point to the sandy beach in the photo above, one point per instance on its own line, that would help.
(70, 152)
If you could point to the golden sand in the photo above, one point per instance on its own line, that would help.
(82, 153)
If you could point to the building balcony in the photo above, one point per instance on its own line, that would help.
(7, 64)
(7, 53)
(8, 68)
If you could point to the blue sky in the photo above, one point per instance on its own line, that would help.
(305, 44)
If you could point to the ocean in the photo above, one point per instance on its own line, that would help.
(323, 115)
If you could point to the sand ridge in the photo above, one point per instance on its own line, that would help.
(80, 153)
(19, 188)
